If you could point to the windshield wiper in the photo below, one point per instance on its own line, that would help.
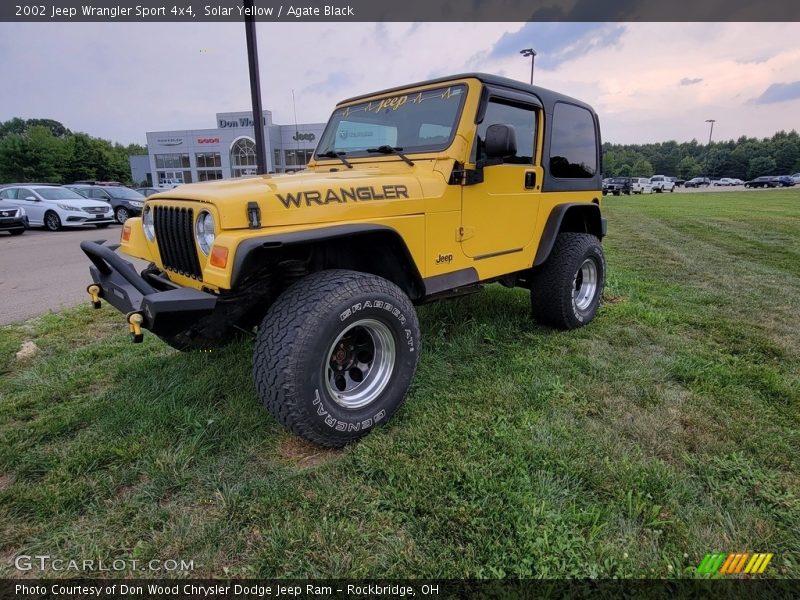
(386, 149)
(332, 154)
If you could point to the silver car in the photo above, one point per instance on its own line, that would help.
(55, 207)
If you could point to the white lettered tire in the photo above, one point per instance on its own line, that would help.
(335, 355)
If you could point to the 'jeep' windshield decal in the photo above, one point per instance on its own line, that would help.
(342, 195)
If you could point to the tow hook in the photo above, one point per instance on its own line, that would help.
(135, 321)
(94, 292)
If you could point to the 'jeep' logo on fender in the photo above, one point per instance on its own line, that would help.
(358, 194)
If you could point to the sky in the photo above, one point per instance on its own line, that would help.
(649, 82)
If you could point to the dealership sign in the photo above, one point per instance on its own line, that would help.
(303, 137)
(169, 141)
(240, 122)
(208, 140)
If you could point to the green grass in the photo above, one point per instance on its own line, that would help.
(665, 430)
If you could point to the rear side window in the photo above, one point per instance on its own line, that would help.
(573, 145)
(9, 194)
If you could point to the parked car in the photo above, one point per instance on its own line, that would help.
(55, 207)
(126, 202)
(617, 186)
(677, 181)
(148, 191)
(725, 182)
(785, 180)
(765, 181)
(13, 219)
(796, 178)
(641, 185)
(168, 184)
(662, 183)
(697, 182)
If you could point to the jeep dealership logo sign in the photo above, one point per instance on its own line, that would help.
(169, 141)
(208, 140)
(303, 137)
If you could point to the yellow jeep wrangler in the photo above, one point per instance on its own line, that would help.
(415, 193)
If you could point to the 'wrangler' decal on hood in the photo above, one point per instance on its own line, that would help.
(342, 195)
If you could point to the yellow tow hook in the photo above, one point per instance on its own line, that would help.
(135, 321)
(94, 292)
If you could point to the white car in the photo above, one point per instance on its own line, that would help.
(55, 207)
(641, 185)
(168, 184)
(796, 178)
(662, 183)
(726, 182)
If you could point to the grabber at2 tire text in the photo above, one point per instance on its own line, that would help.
(335, 355)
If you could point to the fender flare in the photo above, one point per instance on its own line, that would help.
(597, 226)
(250, 247)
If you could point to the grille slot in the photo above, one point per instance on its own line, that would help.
(175, 235)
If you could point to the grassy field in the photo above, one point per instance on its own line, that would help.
(666, 429)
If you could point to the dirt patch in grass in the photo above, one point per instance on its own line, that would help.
(5, 481)
(27, 351)
(304, 454)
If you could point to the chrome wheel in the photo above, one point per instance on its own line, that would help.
(121, 214)
(52, 221)
(360, 363)
(585, 286)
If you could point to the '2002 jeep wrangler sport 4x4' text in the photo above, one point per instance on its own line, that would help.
(413, 194)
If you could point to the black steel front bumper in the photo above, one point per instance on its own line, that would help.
(164, 311)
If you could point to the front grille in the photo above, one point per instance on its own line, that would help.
(175, 236)
(8, 213)
(96, 210)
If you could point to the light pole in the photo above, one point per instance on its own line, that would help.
(532, 53)
(712, 121)
(255, 86)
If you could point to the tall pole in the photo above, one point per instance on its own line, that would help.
(712, 121)
(532, 53)
(255, 86)
(296, 133)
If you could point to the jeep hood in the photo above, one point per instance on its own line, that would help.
(314, 196)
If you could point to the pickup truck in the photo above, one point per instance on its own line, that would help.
(662, 183)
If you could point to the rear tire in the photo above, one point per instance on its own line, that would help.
(335, 355)
(566, 289)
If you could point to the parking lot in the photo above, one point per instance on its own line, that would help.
(42, 271)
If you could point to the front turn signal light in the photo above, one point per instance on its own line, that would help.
(126, 233)
(219, 257)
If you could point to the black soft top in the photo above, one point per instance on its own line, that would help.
(548, 99)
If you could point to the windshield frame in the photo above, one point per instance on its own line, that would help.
(358, 154)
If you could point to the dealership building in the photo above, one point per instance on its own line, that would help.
(229, 149)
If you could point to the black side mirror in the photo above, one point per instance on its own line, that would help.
(501, 141)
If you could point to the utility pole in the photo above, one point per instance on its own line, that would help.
(712, 121)
(255, 86)
(532, 53)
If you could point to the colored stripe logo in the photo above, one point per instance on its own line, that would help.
(735, 564)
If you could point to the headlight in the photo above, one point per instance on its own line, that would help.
(21, 212)
(148, 224)
(68, 207)
(136, 203)
(204, 231)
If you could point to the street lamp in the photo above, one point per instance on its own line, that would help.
(532, 53)
(712, 121)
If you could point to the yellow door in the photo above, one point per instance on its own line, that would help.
(499, 215)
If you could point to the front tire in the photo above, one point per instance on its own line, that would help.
(566, 289)
(52, 221)
(335, 355)
(121, 214)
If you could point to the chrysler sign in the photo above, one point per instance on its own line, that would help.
(169, 141)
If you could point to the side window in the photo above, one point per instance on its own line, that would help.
(24, 193)
(573, 145)
(9, 194)
(522, 118)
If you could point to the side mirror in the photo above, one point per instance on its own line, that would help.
(34, 198)
(501, 141)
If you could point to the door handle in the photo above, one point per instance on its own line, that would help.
(530, 180)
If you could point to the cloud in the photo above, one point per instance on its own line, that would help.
(332, 83)
(687, 81)
(556, 43)
(779, 92)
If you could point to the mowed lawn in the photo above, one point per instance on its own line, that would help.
(667, 429)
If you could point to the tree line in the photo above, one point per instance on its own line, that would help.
(744, 158)
(44, 150)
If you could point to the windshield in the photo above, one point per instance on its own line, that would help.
(416, 122)
(123, 192)
(58, 193)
